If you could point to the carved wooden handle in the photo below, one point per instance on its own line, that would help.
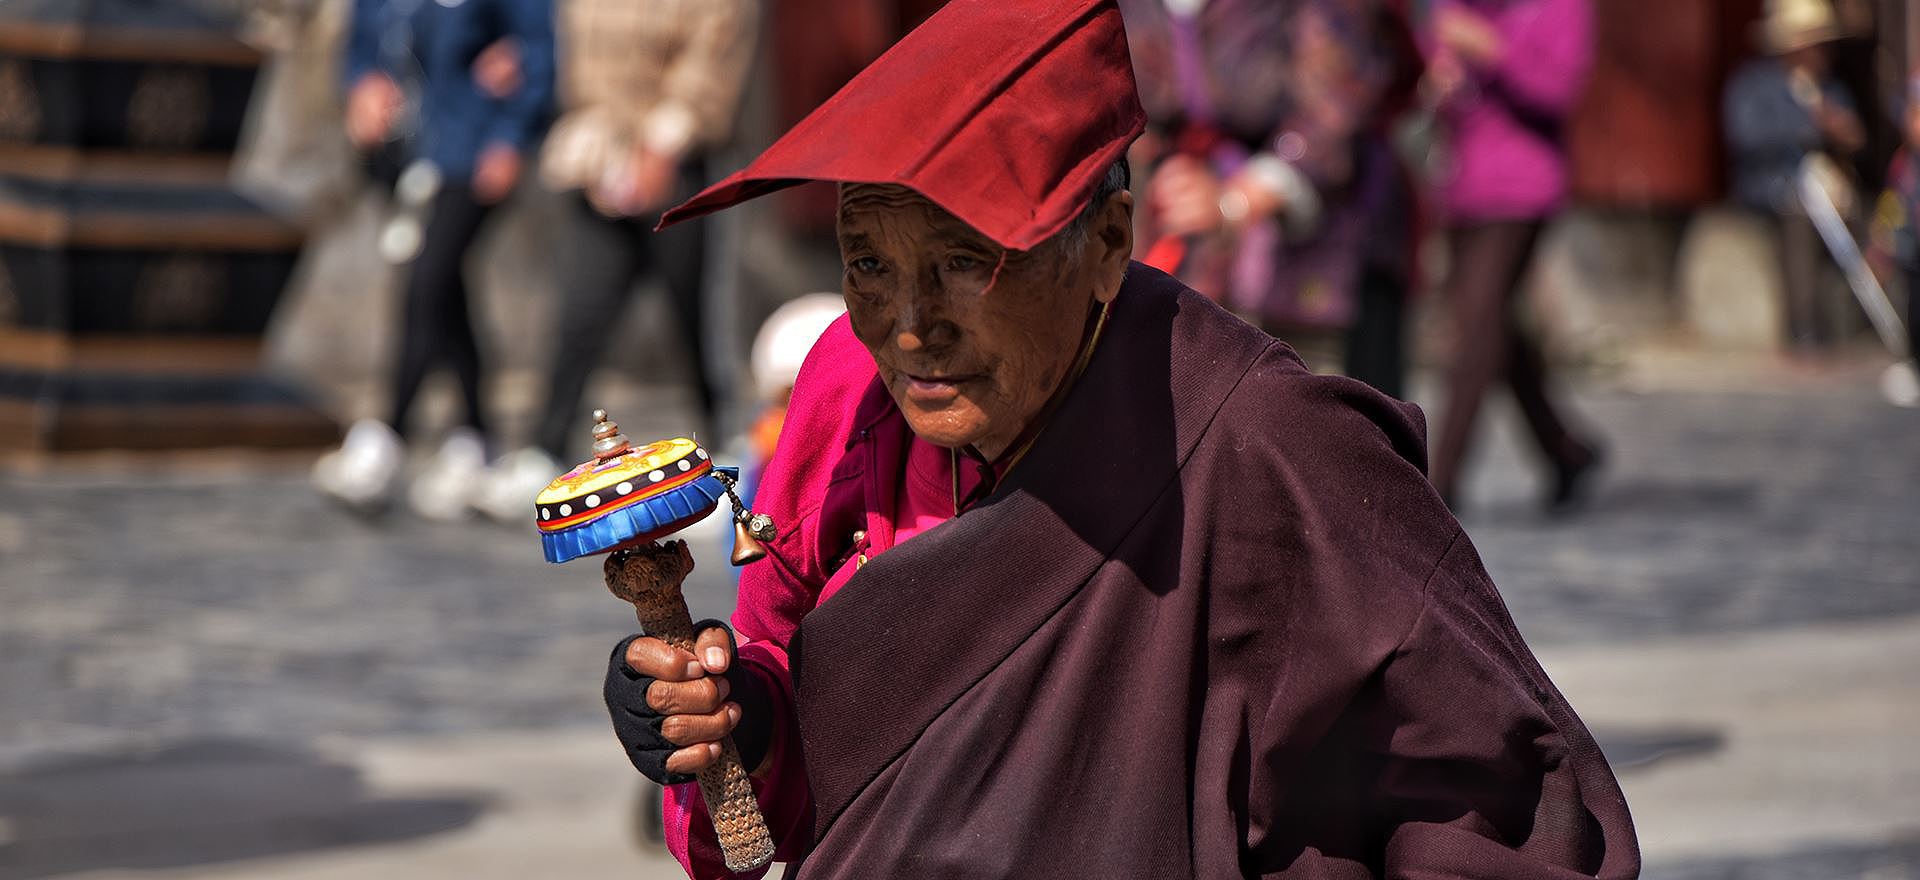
(650, 578)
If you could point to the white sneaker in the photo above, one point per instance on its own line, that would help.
(507, 493)
(362, 473)
(446, 487)
(1900, 385)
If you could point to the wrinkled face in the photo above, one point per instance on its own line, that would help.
(965, 364)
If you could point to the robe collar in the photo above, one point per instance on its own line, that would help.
(992, 472)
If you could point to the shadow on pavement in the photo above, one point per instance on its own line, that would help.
(1886, 860)
(1635, 749)
(1639, 497)
(200, 803)
(1625, 498)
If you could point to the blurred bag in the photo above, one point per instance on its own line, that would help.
(1311, 284)
(294, 157)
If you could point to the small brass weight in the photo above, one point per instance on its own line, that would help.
(622, 503)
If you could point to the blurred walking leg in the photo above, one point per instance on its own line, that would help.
(463, 352)
(1569, 457)
(435, 325)
(436, 322)
(1900, 383)
(1488, 262)
(1913, 315)
(439, 330)
(599, 264)
(1800, 256)
(1376, 343)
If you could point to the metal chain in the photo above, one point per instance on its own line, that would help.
(740, 512)
(758, 524)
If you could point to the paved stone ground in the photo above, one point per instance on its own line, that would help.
(207, 671)
(1720, 511)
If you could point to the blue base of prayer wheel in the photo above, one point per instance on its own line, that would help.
(642, 520)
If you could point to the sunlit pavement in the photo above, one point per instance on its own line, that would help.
(209, 672)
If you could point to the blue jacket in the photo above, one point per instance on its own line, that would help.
(1769, 132)
(429, 46)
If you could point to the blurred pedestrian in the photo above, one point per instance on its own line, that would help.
(648, 89)
(1896, 239)
(779, 348)
(1271, 183)
(444, 97)
(1781, 109)
(1504, 75)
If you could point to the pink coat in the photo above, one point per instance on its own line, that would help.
(1507, 156)
(817, 511)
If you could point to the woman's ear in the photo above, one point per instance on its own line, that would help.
(1110, 243)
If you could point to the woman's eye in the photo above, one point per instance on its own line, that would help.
(962, 263)
(866, 265)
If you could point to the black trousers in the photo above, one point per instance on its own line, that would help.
(1806, 316)
(1376, 351)
(436, 326)
(1489, 261)
(601, 260)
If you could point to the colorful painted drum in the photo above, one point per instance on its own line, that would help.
(628, 499)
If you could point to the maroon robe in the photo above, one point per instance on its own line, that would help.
(1215, 624)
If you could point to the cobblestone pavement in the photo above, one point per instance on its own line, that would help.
(215, 639)
(1718, 512)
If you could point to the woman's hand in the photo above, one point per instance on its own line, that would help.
(373, 106)
(1469, 35)
(643, 186)
(1841, 127)
(497, 69)
(1191, 200)
(1445, 79)
(670, 708)
(495, 173)
(1185, 197)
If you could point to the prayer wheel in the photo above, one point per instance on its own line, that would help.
(135, 283)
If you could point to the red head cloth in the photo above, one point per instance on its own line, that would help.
(1006, 113)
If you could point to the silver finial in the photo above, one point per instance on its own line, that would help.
(608, 442)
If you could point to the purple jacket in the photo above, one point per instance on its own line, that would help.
(1508, 159)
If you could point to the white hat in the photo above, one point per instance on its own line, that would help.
(784, 340)
(1797, 24)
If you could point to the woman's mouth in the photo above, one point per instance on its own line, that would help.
(934, 389)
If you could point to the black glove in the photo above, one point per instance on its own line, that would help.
(637, 724)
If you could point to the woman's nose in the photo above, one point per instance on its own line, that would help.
(923, 321)
(931, 334)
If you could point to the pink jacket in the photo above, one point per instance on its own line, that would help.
(830, 510)
(1507, 156)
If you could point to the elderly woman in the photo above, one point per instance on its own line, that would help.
(1076, 574)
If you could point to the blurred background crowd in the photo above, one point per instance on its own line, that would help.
(467, 190)
(1333, 171)
(395, 250)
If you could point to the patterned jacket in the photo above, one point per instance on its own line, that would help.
(664, 73)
